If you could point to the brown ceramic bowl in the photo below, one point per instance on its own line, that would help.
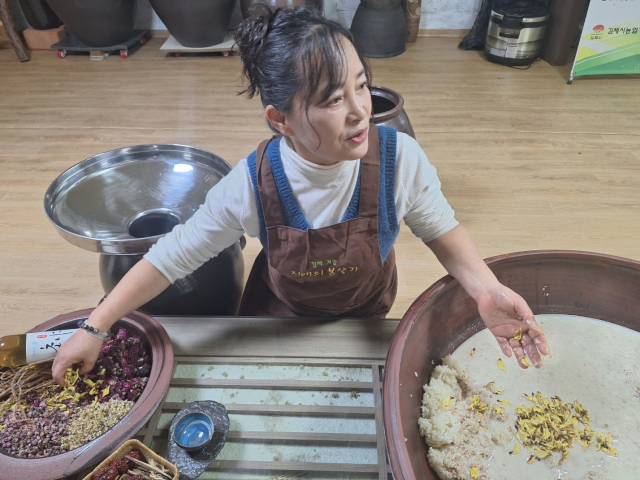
(157, 341)
(444, 316)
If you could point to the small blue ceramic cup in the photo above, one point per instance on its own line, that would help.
(193, 431)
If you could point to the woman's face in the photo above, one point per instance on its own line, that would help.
(341, 122)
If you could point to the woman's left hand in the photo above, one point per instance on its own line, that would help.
(505, 313)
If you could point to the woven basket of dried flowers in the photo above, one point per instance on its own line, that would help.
(156, 466)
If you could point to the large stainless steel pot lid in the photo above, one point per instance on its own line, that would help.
(123, 201)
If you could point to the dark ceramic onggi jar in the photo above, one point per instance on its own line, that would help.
(39, 14)
(196, 23)
(253, 7)
(98, 23)
(388, 110)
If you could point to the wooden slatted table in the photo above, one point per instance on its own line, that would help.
(315, 347)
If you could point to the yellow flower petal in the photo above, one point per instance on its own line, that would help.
(526, 362)
(478, 405)
(473, 351)
(493, 390)
(504, 402)
(516, 449)
(474, 472)
(501, 365)
(447, 402)
(518, 335)
(499, 410)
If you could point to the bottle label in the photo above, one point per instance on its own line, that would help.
(44, 345)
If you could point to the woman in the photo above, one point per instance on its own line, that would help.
(325, 199)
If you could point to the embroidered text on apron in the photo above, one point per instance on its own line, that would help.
(330, 271)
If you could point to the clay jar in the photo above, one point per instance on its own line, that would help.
(98, 23)
(39, 14)
(379, 28)
(196, 23)
(157, 342)
(255, 7)
(388, 110)
(444, 316)
(213, 289)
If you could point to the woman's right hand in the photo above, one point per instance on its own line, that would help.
(79, 348)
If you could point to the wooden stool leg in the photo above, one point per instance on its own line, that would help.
(7, 21)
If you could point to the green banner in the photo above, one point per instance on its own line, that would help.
(610, 41)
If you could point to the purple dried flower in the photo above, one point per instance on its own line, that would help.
(134, 351)
(124, 362)
(134, 340)
(133, 395)
(144, 370)
(122, 334)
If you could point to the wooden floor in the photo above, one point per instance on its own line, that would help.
(527, 161)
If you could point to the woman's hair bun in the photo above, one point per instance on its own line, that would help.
(291, 51)
(249, 39)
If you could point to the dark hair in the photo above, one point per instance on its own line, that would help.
(291, 51)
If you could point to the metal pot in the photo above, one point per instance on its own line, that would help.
(98, 23)
(388, 110)
(120, 203)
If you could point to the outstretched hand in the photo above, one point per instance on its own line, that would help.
(506, 314)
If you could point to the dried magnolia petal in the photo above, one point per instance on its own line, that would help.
(493, 390)
(553, 425)
(501, 365)
(518, 335)
(478, 405)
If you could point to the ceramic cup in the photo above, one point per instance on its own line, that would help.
(194, 431)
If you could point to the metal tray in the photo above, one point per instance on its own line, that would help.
(122, 201)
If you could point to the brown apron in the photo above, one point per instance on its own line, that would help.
(329, 271)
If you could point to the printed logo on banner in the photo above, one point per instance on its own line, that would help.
(610, 41)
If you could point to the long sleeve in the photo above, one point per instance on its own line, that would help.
(228, 212)
(323, 193)
(419, 198)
